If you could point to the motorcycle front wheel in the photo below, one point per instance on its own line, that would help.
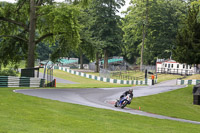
(124, 104)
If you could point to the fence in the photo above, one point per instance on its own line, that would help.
(175, 71)
(105, 73)
(187, 82)
(118, 81)
(124, 75)
(50, 77)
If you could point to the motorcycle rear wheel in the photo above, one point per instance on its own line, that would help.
(115, 104)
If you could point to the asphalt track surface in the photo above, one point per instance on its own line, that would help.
(105, 97)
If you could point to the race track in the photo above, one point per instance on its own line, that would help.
(103, 97)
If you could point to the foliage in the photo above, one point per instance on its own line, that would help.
(105, 27)
(165, 17)
(8, 72)
(60, 20)
(13, 42)
(132, 27)
(162, 24)
(52, 22)
(87, 45)
(14, 51)
(188, 40)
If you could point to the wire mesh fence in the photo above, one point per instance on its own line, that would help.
(124, 75)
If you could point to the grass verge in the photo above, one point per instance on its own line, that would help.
(140, 76)
(83, 82)
(165, 77)
(195, 76)
(26, 114)
(177, 103)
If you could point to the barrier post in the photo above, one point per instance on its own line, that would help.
(54, 82)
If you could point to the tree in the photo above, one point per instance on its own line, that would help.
(105, 28)
(86, 46)
(40, 20)
(135, 29)
(163, 27)
(144, 31)
(187, 48)
(161, 18)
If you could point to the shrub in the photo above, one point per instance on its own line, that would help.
(8, 72)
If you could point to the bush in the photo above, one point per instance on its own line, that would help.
(8, 72)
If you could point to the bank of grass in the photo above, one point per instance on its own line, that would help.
(177, 103)
(195, 76)
(160, 77)
(165, 77)
(26, 114)
(83, 82)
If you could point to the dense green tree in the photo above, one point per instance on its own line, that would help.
(135, 28)
(165, 17)
(45, 50)
(86, 47)
(40, 20)
(187, 48)
(161, 18)
(105, 28)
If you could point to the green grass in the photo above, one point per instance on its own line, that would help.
(165, 77)
(195, 76)
(92, 73)
(82, 81)
(26, 114)
(177, 103)
(140, 76)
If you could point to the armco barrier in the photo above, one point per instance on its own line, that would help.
(187, 82)
(131, 82)
(10, 81)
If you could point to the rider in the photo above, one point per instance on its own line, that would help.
(130, 91)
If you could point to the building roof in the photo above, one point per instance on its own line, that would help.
(168, 61)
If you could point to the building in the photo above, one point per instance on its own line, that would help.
(172, 67)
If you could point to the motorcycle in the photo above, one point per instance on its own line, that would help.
(123, 102)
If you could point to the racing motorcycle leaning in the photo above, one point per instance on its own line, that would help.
(123, 101)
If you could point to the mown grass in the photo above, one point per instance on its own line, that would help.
(177, 103)
(165, 77)
(195, 76)
(26, 114)
(83, 82)
(140, 75)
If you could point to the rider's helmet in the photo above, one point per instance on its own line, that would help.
(131, 90)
